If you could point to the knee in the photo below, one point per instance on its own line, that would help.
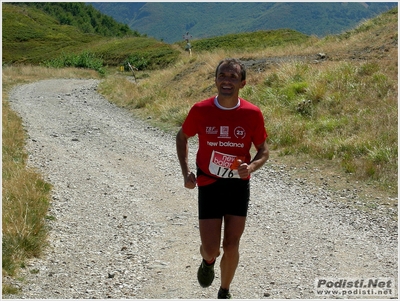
(209, 251)
(231, 246)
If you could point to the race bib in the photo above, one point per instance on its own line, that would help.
(224, 166)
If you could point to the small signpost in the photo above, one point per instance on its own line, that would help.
(133, 69)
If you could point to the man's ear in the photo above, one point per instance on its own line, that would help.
(243, 83)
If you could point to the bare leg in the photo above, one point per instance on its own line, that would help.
(210, 234)
(233, 230)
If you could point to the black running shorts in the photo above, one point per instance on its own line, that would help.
(225, 196)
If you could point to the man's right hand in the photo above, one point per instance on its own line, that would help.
(190, 181)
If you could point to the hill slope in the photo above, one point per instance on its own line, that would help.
(32, 36)
(85, 17)
(169, 21)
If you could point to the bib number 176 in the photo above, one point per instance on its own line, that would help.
(224, 166)
(224, 172)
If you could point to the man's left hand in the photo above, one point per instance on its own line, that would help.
(243, 170)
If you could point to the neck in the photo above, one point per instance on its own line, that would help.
(227, 102)
(226, 106)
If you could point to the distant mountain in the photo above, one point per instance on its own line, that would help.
(168, 21)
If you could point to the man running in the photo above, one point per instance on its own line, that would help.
(227, 126)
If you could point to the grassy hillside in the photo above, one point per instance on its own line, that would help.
(31, 36)
(252, 41)
(169, 21)
(331, 121)
(82, 16)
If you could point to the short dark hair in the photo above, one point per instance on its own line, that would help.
(233, 62)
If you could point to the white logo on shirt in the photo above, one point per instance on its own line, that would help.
(211, 130)
(239, 132)
(224, 132)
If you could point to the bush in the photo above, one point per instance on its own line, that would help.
(84, 60)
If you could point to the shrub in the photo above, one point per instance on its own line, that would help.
(84, 60)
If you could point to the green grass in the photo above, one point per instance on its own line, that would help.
(350, 120)
(250, 41)
(32, 37)
(29, 36)
(84, 60)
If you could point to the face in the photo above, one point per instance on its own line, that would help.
(228, 80)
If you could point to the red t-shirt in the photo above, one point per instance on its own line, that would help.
(225, 135)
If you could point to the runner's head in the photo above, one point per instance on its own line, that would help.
(233, 62)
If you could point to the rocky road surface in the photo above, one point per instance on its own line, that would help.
(126, 228)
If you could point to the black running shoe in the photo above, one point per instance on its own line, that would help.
(205, 274)
(224, 294)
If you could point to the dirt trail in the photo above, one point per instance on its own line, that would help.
(126, 228)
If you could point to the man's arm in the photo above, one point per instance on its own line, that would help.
(182, 150)
(259, 159)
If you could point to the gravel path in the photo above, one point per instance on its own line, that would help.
(125, 227)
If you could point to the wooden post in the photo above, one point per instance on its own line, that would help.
(133, 68)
